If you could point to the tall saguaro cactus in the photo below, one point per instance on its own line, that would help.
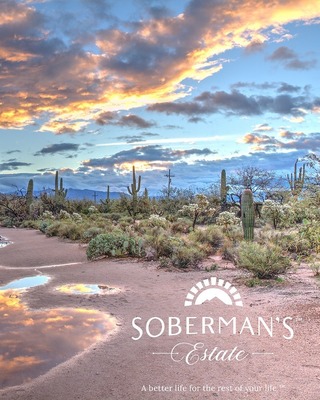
(296, 180)
(107, 201)
(59, 192)
(29, 195)
(247, 214)
(133, 190)
(223, 189)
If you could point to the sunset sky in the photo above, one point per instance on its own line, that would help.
(91, 87)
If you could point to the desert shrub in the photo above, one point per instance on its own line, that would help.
(211, 235)
(314, 263)
(227, 220)
(76, 217)
(115, 244)
(162, 243)
(276, 213)
(64, 214)
(91, 233)
(69, 230)
(201, 208)
(310, 231)
(181, 225)
(93, 210)
(156, 221)
(294, 243)
(30, 224)
(229, 252)
(125, 222)
(48, 215)
(43, 225)
(264, 262)
(52, 229)
(183, 256)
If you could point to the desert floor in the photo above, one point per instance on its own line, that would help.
(118, 367)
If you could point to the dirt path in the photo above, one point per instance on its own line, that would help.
(121, 368)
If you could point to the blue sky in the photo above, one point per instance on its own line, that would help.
(91, 88)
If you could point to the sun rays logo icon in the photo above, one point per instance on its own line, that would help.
(213, 288)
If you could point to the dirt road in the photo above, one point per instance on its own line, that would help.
(265, 348)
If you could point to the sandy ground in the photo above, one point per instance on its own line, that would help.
(121, 368)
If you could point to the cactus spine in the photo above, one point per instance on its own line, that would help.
(223, 189)
(29, 195)
(247, 214)
(133, 190)
(295, 180)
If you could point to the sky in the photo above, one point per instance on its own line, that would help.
(93, 87)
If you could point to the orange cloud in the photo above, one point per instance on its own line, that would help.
(69, 86)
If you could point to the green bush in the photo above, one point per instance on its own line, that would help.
(183, 257)
(91, 233)
(264, 262)
(161, 243)
(310, 231)
(31, 224)
(66, 230)
(187, 257)
(293, 243)
(115, 244)
(181, 225)
(51, 229)
(211, 235)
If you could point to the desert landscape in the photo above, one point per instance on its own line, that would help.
(159, 199)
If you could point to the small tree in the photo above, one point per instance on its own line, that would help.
(275, 212)
(200, 208)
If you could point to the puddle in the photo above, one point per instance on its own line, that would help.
(34, 341)
(26, 283)
(84, 288)
(3, 242)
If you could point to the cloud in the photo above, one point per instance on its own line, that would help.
(286, 87)
(13, 165)
(58, 148)
(146, 158)
(13, 151)
(236, 103)
(290, 59)
(282, 53)
(137, 138)
(254, 47)
(63, 71)
(262, 128)
(130, 120)
(292, 141)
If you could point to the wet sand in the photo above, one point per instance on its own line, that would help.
(121, 368)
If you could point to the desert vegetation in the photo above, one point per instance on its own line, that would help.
(249, 217)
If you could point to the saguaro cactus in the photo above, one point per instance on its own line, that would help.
(247, 214)
(133, 190)
(223, 189)
(29, 195)
(59, 192)
(295, 180)
(107, 201)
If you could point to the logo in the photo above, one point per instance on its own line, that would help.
(212, 326)
(210, 289)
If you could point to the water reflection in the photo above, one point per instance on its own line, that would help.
(85, 288)
(26, 283)
(34, 341)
